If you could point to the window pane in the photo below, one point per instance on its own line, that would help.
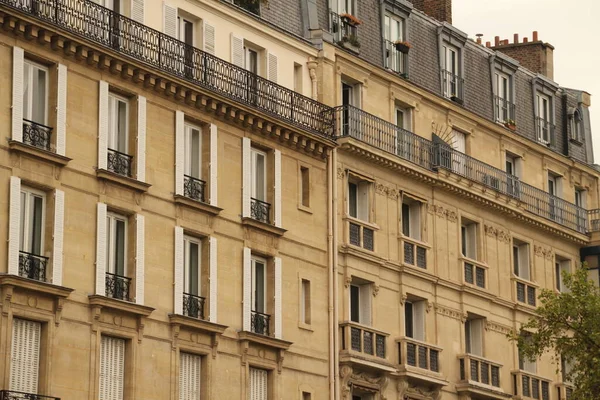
(192, 278)
(195, 154)
(405, 219)
(122, 126)
(259, 177)
(259, 294)
(39, 96)
(463, 236)
(27, 91)
(120, 248)
(354, 303)
(352, 203)
(36, 225)
(23, 227)
(408, 320)
(468, 336)
(516, 260)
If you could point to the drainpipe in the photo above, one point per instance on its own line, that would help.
(336, 331)
(330, 250)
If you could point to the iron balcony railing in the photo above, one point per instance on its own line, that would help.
(37, 135)
(394, 59)
(419, 354)
(342, 29)
(119, 163)
(504, 109)
(193, 306)
(117, 286)
(529, 386)
(480, 370)
(194, 188)
(260, 210)
(144, 44)
(593, 216)
(14, 395)
(453, 86)
(260, 323)
(544, 130)
(32, 266)
(363, 340)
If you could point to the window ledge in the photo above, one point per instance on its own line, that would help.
(305, 209)
(524, 281)
(35, 286)
(121, 305)
(45, 155)
(488, 391)
(123, 180)
(361, 222)
(264, 340)
(576, 142)
(198, 205)
(414, 241)
(474, 262)
(272, 229)
(197, 324)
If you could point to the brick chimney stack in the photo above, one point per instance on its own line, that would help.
(534, 55)
(438, 9)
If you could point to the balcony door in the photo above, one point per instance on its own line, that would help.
(251, 63)
(259, 285)
(118, 123)
(116, 244)
(192, 256)
(32, 222)
(450, 66)
(35, 93)
(503, 100)
(185, 33)
(351, 102)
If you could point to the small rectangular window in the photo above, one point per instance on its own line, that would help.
(414, 319)
(305, 308)
(468, 231)
(521, 259)
(474, 336)
(259, 381)
(411, 218)
(561, 266)
(305, 186)
(358, 199)
(360, 303)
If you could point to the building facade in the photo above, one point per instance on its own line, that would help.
(282, 200)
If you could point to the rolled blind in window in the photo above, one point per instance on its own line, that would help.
(112, 368)
(25, 356)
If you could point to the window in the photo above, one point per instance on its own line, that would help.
(350, 100)
(554, 184)
(581, 198)
(513, 167)
(452, 83)
(252, 60)
(117, 284)
(566, 369)
(474, 328)
(305, 312)
(259, 175)
(185, 30)
(543, 119)
(459, 141)
(560, 266)
(118, 123)
(358, 199)
(403, 118)
(414, 319)
(112, 368)
(298, 78)
(394, 31)
(32, 222)
(25, 356)
(305, 186)
(526, 364)
(306, 396)
(468, 235)
(35, 93)
(577, 127)
(259, 285)
(347, 7)
(521, 259)
(504, 106)
(411, 218)
(114, 5)
(190, 376)
(259, 381)
(360, 302)
(192, 287)
(193, 151)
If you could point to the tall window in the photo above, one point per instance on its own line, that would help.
(513, 166)
(394, 31)
(560, 266)
(259, 285)
(185, 30)
(347, 7)
(305, 186)
(192, 272)
(358, 199)
(474, 328)
(252, 60)
(193, 151)
(305, 309)
(118, 123)
(259, 381)
(117, 284)
(543, 118)
(414, 319)
(450, 69)
(25, 356)
(468, 235)
(411, 218)
(526, 364)
(577, 127)
(259, 175)
(502, 83)
(190, 376)
(32, 221)
(360, 303)
(112, 368)
(555, 190)
(521, 266)
(35, 93)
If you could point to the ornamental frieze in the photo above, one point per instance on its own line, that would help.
(542, 251)
(442, 212)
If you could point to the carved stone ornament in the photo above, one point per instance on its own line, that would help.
(496, 327)
(490, 230)
(450, 312)
(350, 378)
(341, 173)
(441, 212)
(500, 234)
(541, 251)
(347, 281)
(386, 191)
(405, 391)
(375, 290)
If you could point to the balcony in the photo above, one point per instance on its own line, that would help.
(119, 163)
(545, 131)
(364, 346)
(361, 235)
(117, 287)
(260, 210)
(529, 386)
(453, 86)
(260, 323)
(37, 135)
(32, 266)
(394, 59)
(415, 252)
(504, 109)
(194, 188)
(420, 361)
(479, 376)
(193, 306)
(564, 391)
(113, 31)
(525, 291)
(593, 216)
(14, 395)
(344, 30)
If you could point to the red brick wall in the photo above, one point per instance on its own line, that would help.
(438, 9)
(532, 55)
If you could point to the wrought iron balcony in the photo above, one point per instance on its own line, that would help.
(260, 210)
(119, 163)
(14, 395)
(475, 369)
(361, 235)
(394, 59)
(260, 323)
(414, 353)
(343, 29)
(193, 306)
(525, 292)
(32, 266)
(529, 386)
(453, 86)
(36, 135)
(364, 340)
(194, 188)
(504, 109)
(544, 130)
(414, 253)
(117, 286)
(111, 30)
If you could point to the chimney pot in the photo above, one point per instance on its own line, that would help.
(516, 38)
(535, 36)
(488, 44)
(496, 40)
(525, 40)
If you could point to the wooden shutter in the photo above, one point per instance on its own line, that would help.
(179, 152)
(272, 67)
(190, 376)
(259, 379)
(214, 166)
(365, 304)
(141, 139)
(137, 10)
(178, 271)
(246, 176)
(139, 258)
(103, 125)
(247, 292)
(277, 191)
(209, 38)
(25, 356)
(212, 243)
(278, 301)
(170, 20)
(459, 141)
(237, 51)
(17, 94)
(112, 368)
(57, 251)
(61, 110)
(14, 225)
(101, 250)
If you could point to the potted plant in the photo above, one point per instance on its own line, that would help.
(350, 19)
(510, 124)
(402, 46)
(350, 42)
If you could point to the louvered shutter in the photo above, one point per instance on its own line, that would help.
(246, 176)
(237, 51)
(103, 125)
(178, 271)
(137, 10)
(170, 20)
(365, 304)
(247, 293)
(459, 143)
(25, 356)
(139, 258)
(14, 225)
(258, 384)
(212, 242)
(112, 368)
(209, 38)
(272, 67)
(57, 251)
(277, 191)
(61, 110)
(17, 94)
(179, 152)
(214, 166)
(101, 250)
(278, 301)
(190, 376)
(141, 140)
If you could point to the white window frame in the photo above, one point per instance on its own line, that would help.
(256, 260)
(189, 150)
(347, 7)
(469, 239)
(474, 332)
(515, 162)
(555, 184)
(248, 58)
(188, 241)
(406, 118)
(454, 68)
(418, 319)
(27, 210)
(414, 218)
(114, 136)
(521, 260)
(255, 153)
(364, 303)
(28, 90)
(111, 229)
(354, 90)
(390, 33)
(544, 116)
(362, 199)
(503, 89)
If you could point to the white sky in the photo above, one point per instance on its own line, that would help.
(572, 27)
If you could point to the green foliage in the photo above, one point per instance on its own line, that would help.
(568, 323)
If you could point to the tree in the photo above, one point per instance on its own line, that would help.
(568, 323)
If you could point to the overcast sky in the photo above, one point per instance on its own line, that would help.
(572, 27)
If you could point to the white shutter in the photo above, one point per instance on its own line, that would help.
(247, 293)
(419, 320)
(277, 191)
(178, 271)
(272, 67)
(112, 368)
(170, 20)
(139, 259)
(415, 220)
(137, 10)
(246, 176)
(61, 110)
(477, 337)
(365, 304)
(141, 139)
(209, 38)
(190, 376)
(101, 250)
(179, 152)
(237, 51)
(214, 166)
(258, 384)
(472, 241)
(103, 125)
(212, 242)
(25, 356)
(524, 271)
(14, 225)
(17, 94)
(278, 298)
(57, 251)
(459, 143)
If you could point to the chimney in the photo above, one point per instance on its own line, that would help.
(534, 55)
(438, 9)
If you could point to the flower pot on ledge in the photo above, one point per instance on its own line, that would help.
(512, 127)
(350, 20)
(457, 100)
(402, 47)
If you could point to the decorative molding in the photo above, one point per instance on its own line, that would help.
(490, 230)
(405, 391)
(450, 312)
(341, 173)
(500, 234)
(375, 290)
(373, 382)
(542, 251)
(348, 281)
(386, 191)
(403, 299)
(496, 327)
(442, 212)
(504, 236)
